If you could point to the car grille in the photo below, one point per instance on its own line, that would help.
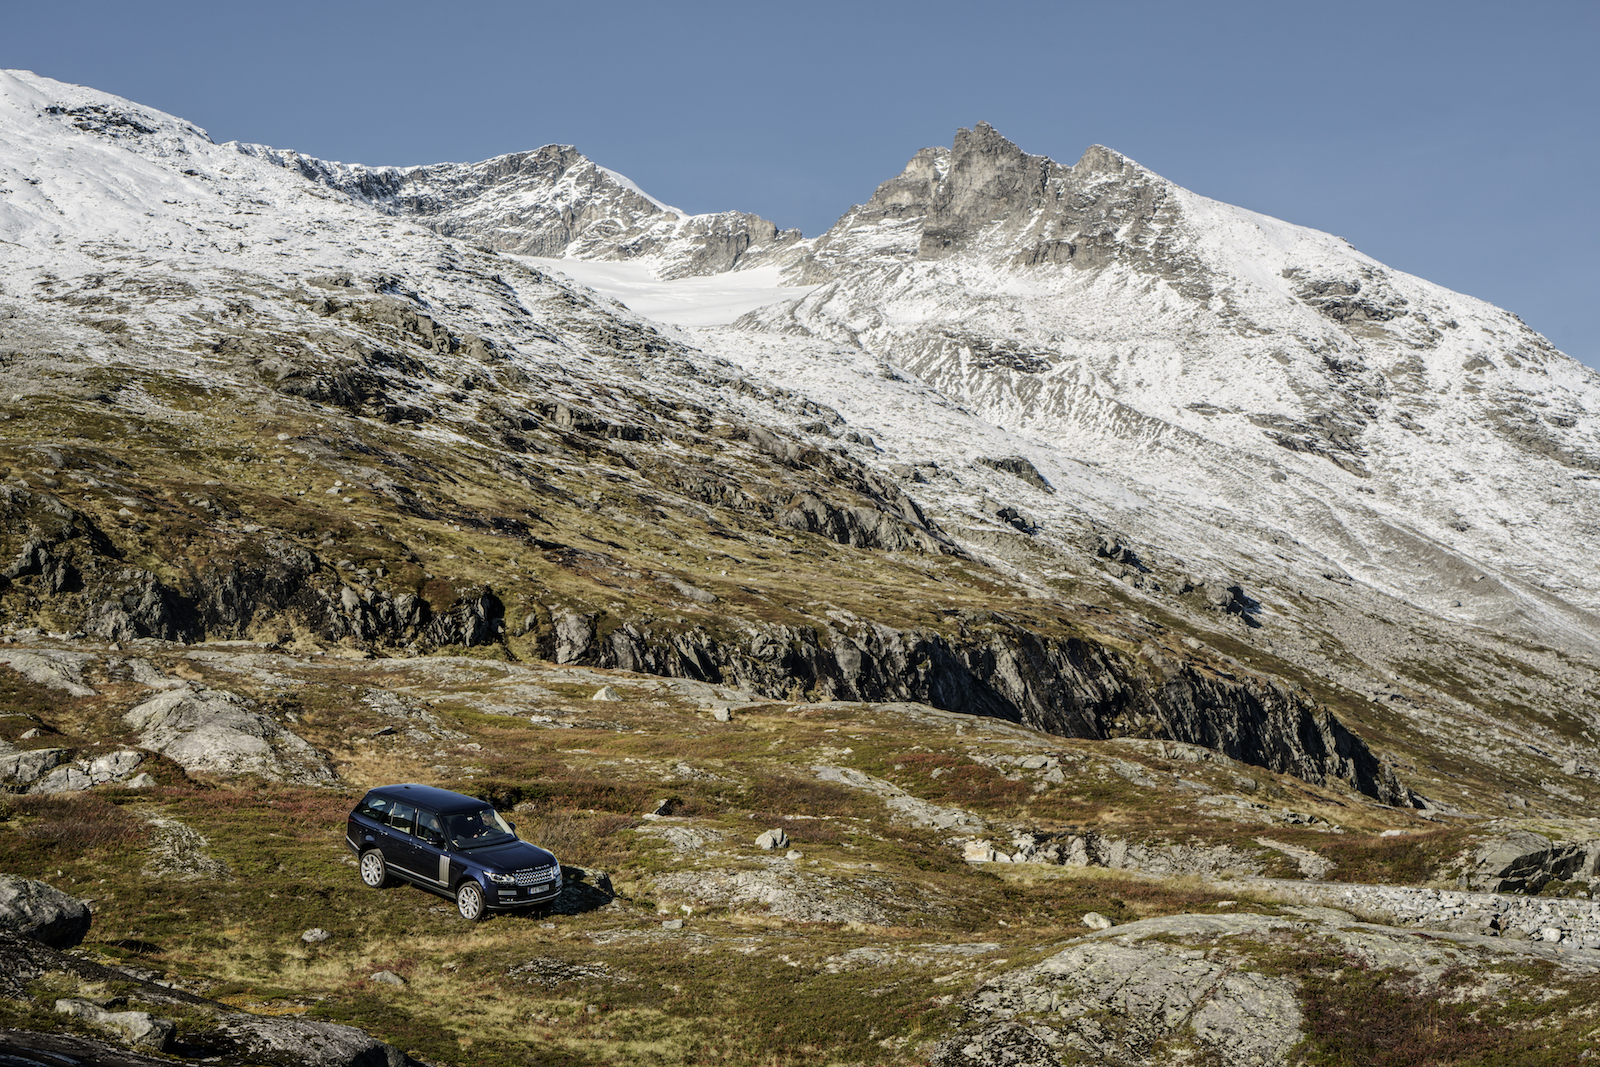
(534, 875)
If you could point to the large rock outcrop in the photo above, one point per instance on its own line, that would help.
(1247, 989)
(215, 732)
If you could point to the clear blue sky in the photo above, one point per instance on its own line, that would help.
(1455, 140)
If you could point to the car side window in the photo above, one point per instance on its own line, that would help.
(376, 808)
(402, 817)
(429, 828)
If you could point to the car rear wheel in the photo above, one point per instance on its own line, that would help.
(469, 901)
(374, 872)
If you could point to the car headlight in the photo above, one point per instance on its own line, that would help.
(503, 879)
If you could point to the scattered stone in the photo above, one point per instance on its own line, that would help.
(606, 692)
(388, 978)
(772, 839)
(979, 852)
(1095, 921)
(548, 971)
(672, 924)
(793, 854)
(722, 713)
(42, 912)
(315, 935)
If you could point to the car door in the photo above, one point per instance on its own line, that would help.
(433, 861)
(369, 826)
(400, 849)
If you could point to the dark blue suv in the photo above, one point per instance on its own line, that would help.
(451, 844)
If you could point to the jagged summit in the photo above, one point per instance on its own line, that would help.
(552, 202)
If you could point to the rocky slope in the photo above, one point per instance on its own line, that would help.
(1069, 520)
(919, 884)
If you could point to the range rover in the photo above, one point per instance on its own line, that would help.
(451, 844)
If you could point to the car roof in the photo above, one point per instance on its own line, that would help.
(428, 796)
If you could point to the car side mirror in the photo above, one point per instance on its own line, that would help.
(512, 825)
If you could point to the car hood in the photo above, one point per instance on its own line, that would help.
(510, 856)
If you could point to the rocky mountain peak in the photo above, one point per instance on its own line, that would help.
(990, 178)
(987, 197)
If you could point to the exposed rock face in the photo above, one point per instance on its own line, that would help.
(302, 1041)
(19, 771)
(49, 770)
(216, 732)
(988, 190)
(1161, 990)
(1522, 861)
(42, 912)
(29, 1048)
(993, 667)
(267, 582)
(887, 228)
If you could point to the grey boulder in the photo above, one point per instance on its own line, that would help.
(304, 1042)
(42, 912)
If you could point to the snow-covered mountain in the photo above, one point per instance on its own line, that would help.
(1237, 438)
(1228, 362)
(1386, 471)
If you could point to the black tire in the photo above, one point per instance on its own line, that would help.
(374, 871)
(469, 901)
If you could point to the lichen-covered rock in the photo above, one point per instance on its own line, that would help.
(42, 912)
(1129, 996)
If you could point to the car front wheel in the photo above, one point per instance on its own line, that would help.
(374, 872)
(469, 901)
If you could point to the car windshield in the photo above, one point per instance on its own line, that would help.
(470, 829)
